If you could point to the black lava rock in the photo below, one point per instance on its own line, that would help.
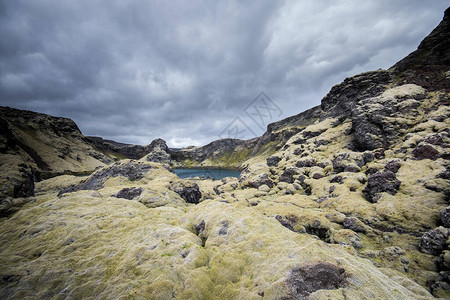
(353, 224)
(445, 217)
(425, 152)
(273, 161)
(433, 241)
(129, 193)
(189, 191)
(381, 182)
(288, 175)
(309, 278)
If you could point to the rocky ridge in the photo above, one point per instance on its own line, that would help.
(349, 200)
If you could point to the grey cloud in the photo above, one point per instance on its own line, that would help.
(134, 71)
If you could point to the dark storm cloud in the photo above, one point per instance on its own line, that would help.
(183, 70)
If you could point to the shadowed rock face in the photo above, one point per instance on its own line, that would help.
(189, 191)
(307, 279)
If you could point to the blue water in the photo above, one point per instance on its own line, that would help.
(215, 174)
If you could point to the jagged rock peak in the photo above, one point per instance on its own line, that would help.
(159, 143)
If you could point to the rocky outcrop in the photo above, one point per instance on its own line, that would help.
(343, 98)
(434, 241)
(304, 280)
(35, 146)
(429, 65)
(381, 182)
(189, 191)
(159, 152)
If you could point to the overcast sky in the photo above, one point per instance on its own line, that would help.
(191, 71)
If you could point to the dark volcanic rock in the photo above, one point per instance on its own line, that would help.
(309, 278)
(285, 222)
(427, 65)
(425, 152)
(433, 241)
(189, 191)
(159, 152)
(129, 193)
(288, 175)
(133, 170)
(381, 182)
(354, 224)
(273, 161)
(25, 187)
(393, 166)
(343, 97)
(261, 179)
(306, 163)
(445, 217)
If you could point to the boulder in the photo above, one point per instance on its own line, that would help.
(434, 241)
(261, 179)
(381, 182)
(129, 193)
(159, 152)
(425, 152)
(288, 175)
(273, 161)
(354, 224)
(306, 279)
(189, 191)
(445, 216)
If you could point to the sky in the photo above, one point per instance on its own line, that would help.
(191, 72)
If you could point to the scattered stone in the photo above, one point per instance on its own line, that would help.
(310, 162)
(261, 179)
(381, 182)
(306, 279)
(288, 175)
(129, 193)
(354, 224)
(298, 151)
(318, 176)
(434, 241)
(393, 166)
(306, 187)
(189, 191)
(425, 152)
(337, 179)
(340, 162)
(368, 157)
(445, 216)
(352, 168)
(273, 161)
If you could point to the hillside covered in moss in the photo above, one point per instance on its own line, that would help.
(347, 200)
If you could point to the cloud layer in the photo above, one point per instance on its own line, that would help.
(184, 71)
